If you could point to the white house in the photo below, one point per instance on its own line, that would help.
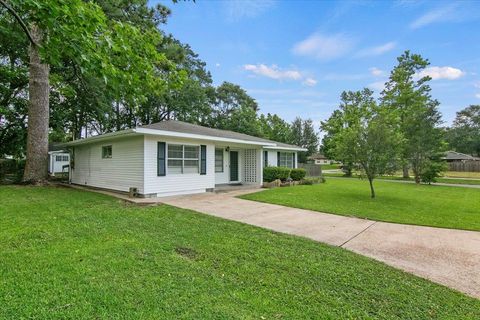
(320, 159)
(174, 157)
(58, 161)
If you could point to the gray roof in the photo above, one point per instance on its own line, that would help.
(453, 155)
(184, 127)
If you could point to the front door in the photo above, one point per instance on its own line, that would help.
(233, 166)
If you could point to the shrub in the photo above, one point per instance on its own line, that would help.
(273, 173)
(11, 170)
(310, 181)
(298, 174)
(432, 171)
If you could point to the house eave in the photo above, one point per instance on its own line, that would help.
(285, 148)
(99, 138)
(174, 134)
(162, 133)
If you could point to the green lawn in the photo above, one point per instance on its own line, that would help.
(441, 180)
(330, 166)
(438, 206)
(72, 254)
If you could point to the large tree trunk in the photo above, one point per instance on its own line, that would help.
(38, 115)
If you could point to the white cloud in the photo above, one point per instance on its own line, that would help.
(217, 64)
(376, 72)
(377, 85)
(238, 9)
(310, 82)
(437, 73)
(477, 95)
(274, 72)
(436, 15)
(377, 50)
(324, 47)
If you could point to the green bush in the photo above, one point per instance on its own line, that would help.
(273, 173)
(11, 170)
(298, 174)
(432, 171)
(311, 181)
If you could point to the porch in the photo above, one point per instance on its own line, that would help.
(238, 166)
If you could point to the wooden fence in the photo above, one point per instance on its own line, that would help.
(464, 166)
(313, 170)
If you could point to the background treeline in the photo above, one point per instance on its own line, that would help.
(85, 103)
(400, 130)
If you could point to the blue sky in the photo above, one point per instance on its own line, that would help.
(296, 57)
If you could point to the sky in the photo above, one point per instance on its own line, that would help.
(296, 57)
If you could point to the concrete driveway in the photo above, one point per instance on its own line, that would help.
(449, 257)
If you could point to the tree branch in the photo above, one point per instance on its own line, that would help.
(19, 19)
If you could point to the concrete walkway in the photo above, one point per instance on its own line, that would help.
(449, 257)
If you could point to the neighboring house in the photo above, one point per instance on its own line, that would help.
(173, 157)
(58, 161)
(452, 156)
(320, 159)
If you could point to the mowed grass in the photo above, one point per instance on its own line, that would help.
(447, 180)
(437, 206)
(72, 254)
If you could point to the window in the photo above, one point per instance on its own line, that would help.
(286, 159)
(61, 158)
(265, 158)
(218, 160)
(107, 152)
(183, 158)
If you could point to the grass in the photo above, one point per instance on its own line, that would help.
(437, 206)
(70, 254)
(457, 174)
(439, 180)
(330, 166)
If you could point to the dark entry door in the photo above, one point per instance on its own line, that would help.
(233, 165)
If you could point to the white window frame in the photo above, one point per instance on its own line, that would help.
(111, 152)
(167, 157)
(287, 161)
(223, 160)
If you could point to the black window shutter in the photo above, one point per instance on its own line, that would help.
(278, 159)
(203, 159)
(294, 162)
(161, 159)
(265, 158)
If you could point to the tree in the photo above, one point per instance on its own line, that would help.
(367, 135)
(275, 128)
(464, 135)
(231, 99)
(408, 97)
(331, 128)
(304, 135)
(77, 34)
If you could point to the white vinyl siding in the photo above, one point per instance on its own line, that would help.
(122, 171)
(175, 183)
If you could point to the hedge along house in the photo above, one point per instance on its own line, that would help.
(174, 157)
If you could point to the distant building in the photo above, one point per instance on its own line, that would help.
(58, 161)
(319, 158)
(451, 156)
